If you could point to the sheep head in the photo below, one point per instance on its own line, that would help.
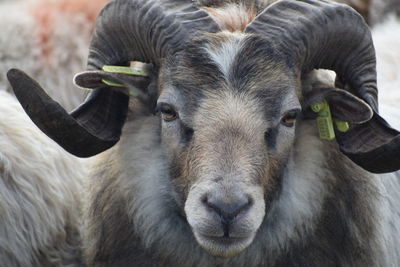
(229, 132)
(228, 101)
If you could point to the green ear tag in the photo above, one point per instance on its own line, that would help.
(111, 83)
(342, 126)
(324, 120)
(136, 69)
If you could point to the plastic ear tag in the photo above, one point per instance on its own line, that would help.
(136, 69)
(324, 120)
(342, 126)
(111, 83)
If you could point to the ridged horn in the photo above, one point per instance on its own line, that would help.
(126, 30)
(322, 34)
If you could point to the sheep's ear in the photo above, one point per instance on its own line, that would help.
(346, 107)
(370, 142)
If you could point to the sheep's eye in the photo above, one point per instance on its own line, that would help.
(168, 113)
(290, 118)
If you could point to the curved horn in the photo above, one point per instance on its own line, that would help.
(322, 34)
(146, 31)
(83, 138)
(126, 30)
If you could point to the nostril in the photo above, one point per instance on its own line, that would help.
(250, 200)
(228, 208)
(204, 200)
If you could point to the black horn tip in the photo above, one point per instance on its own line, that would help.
(373, 145)
(13, 73)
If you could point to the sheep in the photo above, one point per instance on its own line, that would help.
(214, 158)
(50, 39)
(39, 199)
(39, 194)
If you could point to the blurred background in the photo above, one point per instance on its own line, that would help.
(49, 40)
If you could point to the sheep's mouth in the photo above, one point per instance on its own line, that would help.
(225, 222)
(224, 246)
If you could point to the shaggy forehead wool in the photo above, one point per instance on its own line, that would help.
(215, 63)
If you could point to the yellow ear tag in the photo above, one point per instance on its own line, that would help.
(324, 120)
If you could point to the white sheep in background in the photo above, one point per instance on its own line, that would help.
(386, 36)
(50, 39)
(40, 183)
(40, 195)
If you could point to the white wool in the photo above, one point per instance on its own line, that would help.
(39, 193)
(386, 38)
(224, 56)
(387, 44)
(389, 217)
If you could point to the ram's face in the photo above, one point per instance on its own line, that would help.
(228, 108)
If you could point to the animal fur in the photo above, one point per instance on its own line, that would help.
(387, 41)
(39, 194)
(322, 211)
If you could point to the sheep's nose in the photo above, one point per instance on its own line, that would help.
(227, 207)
